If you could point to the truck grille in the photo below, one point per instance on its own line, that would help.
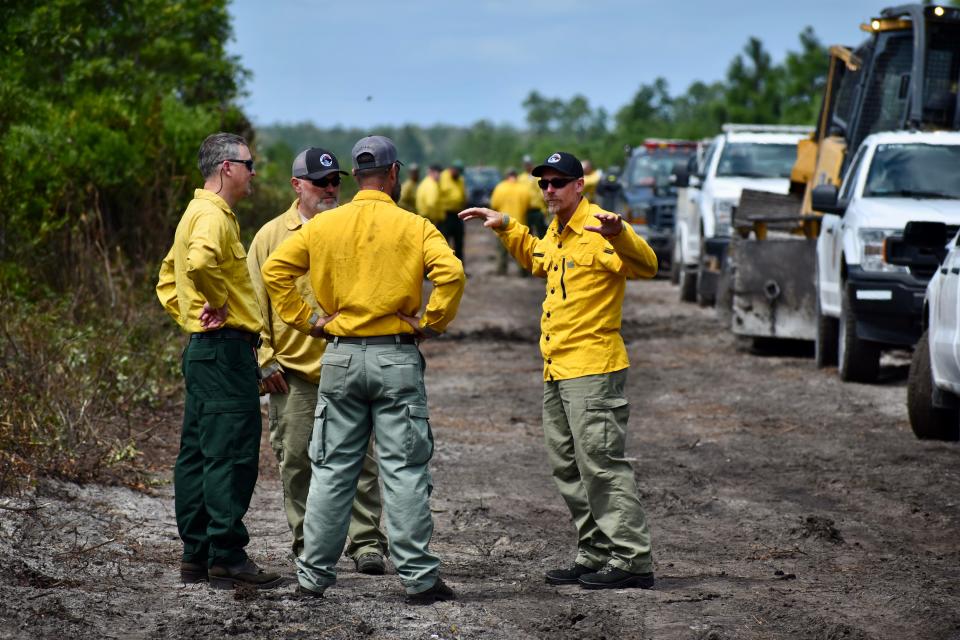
(925, 273)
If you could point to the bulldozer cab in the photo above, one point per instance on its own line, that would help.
(904, 76)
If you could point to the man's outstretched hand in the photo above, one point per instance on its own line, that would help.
(610, 225)
(491, 219)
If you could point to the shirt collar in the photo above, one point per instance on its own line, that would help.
(371, 194)
(203, 194)
(292, 217)
(579, 217)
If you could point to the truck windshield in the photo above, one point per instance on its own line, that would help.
(649, 171)
(757, 160)
(914, 171)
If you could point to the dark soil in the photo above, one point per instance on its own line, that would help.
(783, 504)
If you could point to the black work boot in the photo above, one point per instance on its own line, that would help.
(246, 572)
(612, 578)
(370, 564)
(437, 593)
(193, 572)
(567, 576)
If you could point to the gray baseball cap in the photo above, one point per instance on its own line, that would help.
(314, 163)
(380, 147)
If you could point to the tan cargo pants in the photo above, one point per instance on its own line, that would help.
(584, 422)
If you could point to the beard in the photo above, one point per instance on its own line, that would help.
(395, 192)
(325, 204)
(553, 207)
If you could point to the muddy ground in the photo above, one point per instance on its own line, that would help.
(783, 504)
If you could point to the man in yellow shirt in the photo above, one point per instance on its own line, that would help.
(536, 214)
(366, 261)
(512, 198)
(453, 198)
(290, 369)
(586, 257)
(428, 197)
(204, 285)
(408, 190)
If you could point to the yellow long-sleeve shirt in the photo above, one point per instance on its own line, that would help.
(586, 279)
(428, 201)
(453, 191)
(511, 197)
(408, 195)
(283, 347)
(536, 194)
(207, 263)
(366, 261)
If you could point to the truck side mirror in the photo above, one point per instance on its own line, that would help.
(922, 246)
(681, 175)
(824, 200)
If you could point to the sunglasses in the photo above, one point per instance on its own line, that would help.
(247, 163)
(324, 182)
(556, 183)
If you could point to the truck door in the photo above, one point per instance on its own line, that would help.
(830, 242)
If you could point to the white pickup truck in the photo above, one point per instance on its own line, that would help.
(744, 156)
(864, 302)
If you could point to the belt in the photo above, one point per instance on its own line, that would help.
(228, 334)
(397, 338)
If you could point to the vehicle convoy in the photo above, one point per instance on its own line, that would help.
(743, 156)
(647, 198)
(865, 303)
(903, 77)
(933, 387)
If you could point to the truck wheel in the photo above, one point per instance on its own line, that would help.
(859, 360)
(688, 284)
(927, 421)
(825, 340)
(676, 264)
(705, 297)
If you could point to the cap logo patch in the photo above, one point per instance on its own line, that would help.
(326, 160)
(555, 158)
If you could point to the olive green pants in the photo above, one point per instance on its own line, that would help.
(291, 424)
(364, 390)
(584, 422)
(216, 468)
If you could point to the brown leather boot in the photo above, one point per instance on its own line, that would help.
(246, 572)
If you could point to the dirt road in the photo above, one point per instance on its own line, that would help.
(783, 504)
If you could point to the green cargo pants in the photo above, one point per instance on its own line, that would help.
(583, 423)
(368, 389)
(291, 423)
(216, 468)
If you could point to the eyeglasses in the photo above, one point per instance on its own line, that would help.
(247, 163)
(556, 183)
(323, 183)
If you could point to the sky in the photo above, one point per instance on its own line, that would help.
(372, 62)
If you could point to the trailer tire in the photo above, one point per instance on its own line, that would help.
(825, 342)
(927, 421)
(858, 360)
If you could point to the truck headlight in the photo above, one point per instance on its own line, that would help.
(871, 250)
(723, 216)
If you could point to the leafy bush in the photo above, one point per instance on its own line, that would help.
(82, 388)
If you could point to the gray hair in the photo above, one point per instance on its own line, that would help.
(217, 148)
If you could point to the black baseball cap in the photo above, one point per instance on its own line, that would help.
(315, 163)
(562, 162)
